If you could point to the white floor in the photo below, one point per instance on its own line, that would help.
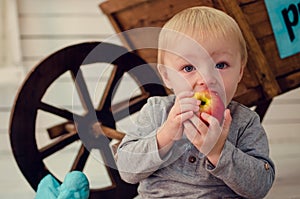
(282, 124)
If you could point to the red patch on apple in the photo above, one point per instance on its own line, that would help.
(211, 103)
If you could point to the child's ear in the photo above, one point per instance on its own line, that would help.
(241, 71)
(164, 75)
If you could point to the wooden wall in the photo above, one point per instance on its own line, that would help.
(46, 26)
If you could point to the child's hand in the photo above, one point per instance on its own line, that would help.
(208, 139)
(183, 109)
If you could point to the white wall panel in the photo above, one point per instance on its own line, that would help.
(48, 26)
(45, 47)
(59, 6)
(64, 25)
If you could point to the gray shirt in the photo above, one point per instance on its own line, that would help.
(244, 170)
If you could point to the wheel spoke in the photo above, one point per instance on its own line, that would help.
(98, 130)
(111, 86)
(58, 111)
(122, 109)
(81, 159)
(107, 88)
(61, 129)
(107, 157)
(60, 143)
(82, 90)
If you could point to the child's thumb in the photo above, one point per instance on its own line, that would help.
(226, 122)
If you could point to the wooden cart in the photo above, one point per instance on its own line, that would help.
(266, 76)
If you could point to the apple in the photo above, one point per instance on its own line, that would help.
(211, 103)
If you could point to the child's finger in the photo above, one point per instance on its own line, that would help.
(184, 116)
(209, 119)
(188, 107)
(189, 100)
(227, 121)
(185, 94)
(192, 134)
(199, 124)
(186, 104)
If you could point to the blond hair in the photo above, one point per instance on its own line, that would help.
(200, 23)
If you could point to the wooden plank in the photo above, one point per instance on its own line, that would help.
(36, 49)
(125, 15)
(58, 7)
(110, 7)
(29, 64)
(258, 19)
(280, 66)
(91, 72)
(75, 25)
(146, 17)
(250, 97)
(241, 2)
(44, 47)
(256, 57)
(5, 119)
(290, 81)
(293, 95)
(287, 115)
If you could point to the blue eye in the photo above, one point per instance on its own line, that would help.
(221, 65)
(189, 68)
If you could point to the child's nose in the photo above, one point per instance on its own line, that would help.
(206, 78)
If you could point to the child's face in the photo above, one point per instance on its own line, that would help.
(216, 66)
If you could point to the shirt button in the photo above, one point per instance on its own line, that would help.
(192, 159)
(267, 167)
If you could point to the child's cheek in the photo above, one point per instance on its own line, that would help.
(180, 84)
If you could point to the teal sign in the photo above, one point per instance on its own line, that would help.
(285, 20)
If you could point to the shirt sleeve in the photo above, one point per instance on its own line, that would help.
(138, 156)
(245, 166)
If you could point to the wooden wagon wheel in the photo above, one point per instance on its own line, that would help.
(30, 158)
